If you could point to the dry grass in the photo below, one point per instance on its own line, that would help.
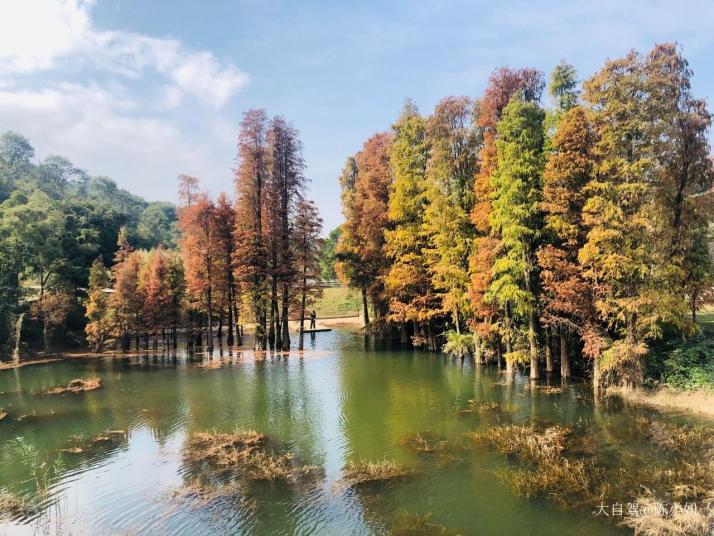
(677, 520)
(525, 443)
(247, 454)
(362, 472)
(569, 483)
(78, 385)
(11, 505)
(548, 473)
(698, 400)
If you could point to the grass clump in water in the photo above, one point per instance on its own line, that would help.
(525, 443)
(12, 506)
(362, 472)
(246, 452)
(78, 385)
(548, 473)
(655, 519)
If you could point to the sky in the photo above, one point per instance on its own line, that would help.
(142, 91)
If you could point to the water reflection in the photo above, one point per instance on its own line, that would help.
(343, 399)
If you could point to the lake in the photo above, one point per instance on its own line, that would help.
(123, 469)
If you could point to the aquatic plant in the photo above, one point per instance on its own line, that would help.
(653, 519)
(247, 453)
(459, 344)
(525, 442)
(12, 505)
(362, 472)
(78, 385)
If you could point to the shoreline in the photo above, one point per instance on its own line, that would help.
(329, 322)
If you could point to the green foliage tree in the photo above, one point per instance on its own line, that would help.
(412, 297)
(454, 141)
(517, 214)
(327, 254)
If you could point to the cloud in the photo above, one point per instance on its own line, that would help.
(111, 100)
(41, 35)
(99, 128)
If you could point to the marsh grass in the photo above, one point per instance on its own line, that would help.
(246, 453)
(554, 464)
(362, 472)
(568, 483)
(525, 443)
(78, 385)
(678, 520)
(12, 506)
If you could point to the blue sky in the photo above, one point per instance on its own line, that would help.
(141, 91)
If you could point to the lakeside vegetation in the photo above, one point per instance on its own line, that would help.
(575, 237)
(579, 233)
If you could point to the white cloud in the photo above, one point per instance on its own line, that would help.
(110, 100)
(34, 33)
(38, 35)
(94, 127)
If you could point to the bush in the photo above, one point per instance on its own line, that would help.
(459, 344)
(690, 364)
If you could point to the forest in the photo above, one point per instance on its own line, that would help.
(576, 235)
(85, 262)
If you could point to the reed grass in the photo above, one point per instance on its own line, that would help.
(362, 472)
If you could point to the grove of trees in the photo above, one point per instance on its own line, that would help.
(527, 234)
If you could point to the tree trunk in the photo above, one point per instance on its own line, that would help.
(273, 309)
(285, 339)
(532, 339)
(596, 376)
(229, 337)
(507, 337)
(303, 301)
(548, 354)
(365, 308)
(43, 314)
(18, 337)
(564, 357)
(209, 320)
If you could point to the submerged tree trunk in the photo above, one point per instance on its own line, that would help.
(564, 357)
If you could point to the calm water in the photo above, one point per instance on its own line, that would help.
(343, 401)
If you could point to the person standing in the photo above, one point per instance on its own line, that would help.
(313, 319)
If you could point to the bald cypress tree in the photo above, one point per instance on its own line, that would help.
(517, 217)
